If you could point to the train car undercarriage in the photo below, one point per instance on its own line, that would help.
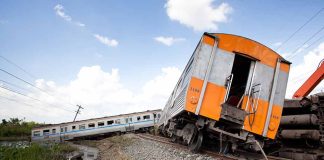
(224, 135)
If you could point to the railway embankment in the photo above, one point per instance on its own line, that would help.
(131, 146)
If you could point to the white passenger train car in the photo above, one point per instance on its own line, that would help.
(97, 126)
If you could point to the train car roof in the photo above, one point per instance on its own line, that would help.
(114, 116)
(245, 46)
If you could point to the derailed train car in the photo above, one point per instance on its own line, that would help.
(232, 90)
(96, 127)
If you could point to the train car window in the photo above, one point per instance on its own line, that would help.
(46, 132)
(138, 118)
(159, 115)
(53, 130)
(130, 120)
(91, 125)
(110, 122)
(73, 127)
(126, 120)
(154, 115)
(61, 129)
(117, 121)
(65, 129)
(36, 133)
(101, 123)
(146, 117)
(82, 126)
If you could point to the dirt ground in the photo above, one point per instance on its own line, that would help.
(129, 146)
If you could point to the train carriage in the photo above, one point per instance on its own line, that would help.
(232, 88)
(97, 126)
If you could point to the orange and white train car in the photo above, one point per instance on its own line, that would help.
(232, 87)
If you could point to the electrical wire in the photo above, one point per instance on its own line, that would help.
(295, 52)
(14, 85)
(28, 73)
(12, 75)
(25, 104)
(301, 27)
(8, 89)
(317, 40)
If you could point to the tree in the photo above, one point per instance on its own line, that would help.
(4, 122)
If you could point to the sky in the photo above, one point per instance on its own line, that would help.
(114, 57)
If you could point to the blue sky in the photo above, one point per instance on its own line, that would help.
(52, 48)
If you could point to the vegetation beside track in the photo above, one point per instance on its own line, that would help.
(15, 129)
(36, 152)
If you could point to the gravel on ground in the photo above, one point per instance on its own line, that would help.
(131, 147)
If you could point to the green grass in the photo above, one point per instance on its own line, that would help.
(36, 152)
(16, 129)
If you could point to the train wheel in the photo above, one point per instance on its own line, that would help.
(196, 143)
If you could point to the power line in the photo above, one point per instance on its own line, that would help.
(9, 83)
(15, 101)
(294, 53)
(28, 73)
(21, 79)
(301, 27)
(28, 83)
(26, 104)
(8, 89)
(317, 40)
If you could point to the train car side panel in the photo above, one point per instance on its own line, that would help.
(216, 90)
(214, 97)
(255, 121)
(193, 94)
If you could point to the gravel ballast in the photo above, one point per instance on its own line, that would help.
(130, 146)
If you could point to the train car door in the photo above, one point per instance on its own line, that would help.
(239, 80)
(129, 124)
(237, 85)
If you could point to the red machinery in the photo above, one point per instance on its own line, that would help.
(311, 82)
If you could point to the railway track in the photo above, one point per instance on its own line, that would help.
(176, 145)
(210, 153)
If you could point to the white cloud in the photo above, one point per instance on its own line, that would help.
(301, 71)
(100, 93)
(201, 15)
(59, 10)
(168, 40)
(106, 40)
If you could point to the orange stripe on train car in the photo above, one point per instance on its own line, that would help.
(211, 105)
(274, 121)
(213, 98)
(193, 94)
(254, 122)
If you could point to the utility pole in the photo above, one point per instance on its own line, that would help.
(77, 112)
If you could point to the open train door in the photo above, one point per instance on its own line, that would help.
(239, 84)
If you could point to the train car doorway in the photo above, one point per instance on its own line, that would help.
(239, 80)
